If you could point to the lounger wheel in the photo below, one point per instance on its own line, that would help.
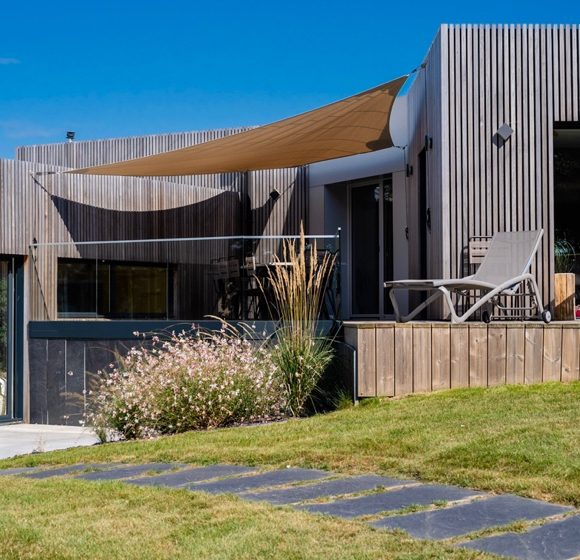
(546, 316)
(486, 316)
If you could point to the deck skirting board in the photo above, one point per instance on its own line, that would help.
(402, 358)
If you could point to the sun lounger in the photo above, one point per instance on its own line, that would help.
(505, 271)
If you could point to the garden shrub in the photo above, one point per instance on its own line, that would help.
(187, 382)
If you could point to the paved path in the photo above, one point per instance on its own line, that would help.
(21, 439)
(426, 511)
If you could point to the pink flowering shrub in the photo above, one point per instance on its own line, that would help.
(187, 383)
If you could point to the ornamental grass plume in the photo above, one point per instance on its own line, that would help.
(298, 281)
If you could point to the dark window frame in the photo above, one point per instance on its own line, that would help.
(111, 289)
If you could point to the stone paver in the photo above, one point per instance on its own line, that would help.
(70, 469)
(423, 494)
(555, 540)
(17, 471)
(271, 478)
(468, 518)
(559, 540)
(125, 471)
(196, 474)
(348, 485)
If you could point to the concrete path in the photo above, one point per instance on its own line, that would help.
(455, 515)
(20, 439)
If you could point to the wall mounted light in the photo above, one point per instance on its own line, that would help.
(70, 135)
(505, 131)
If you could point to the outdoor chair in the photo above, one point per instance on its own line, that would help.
(504, 271)
(254, 305)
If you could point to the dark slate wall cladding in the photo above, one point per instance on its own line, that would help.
(62, 370)
(66, 356)
(37, 356)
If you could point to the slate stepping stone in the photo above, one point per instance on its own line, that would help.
(271, 478)
(61, 471)
(186, 476)
(348, 485)
(424, 494)
(559, 540)
(17, 471)
(128, 471)
(467, 518)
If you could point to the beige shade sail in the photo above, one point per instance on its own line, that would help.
(355, 125)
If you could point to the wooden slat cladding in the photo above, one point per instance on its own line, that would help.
(398, 359)
(273, 218)
(60, 208)
(527, 77)
(37, 203)
(97, 152)
(278, 205)
(67, 208)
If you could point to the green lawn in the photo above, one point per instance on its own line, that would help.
(516, 439)
(70, 519)
(522, 439)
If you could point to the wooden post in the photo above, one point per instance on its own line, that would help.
(564, 300)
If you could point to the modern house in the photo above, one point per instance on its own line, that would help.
(484, 137)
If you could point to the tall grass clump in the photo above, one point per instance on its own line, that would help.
(187, 382)
(298, 280)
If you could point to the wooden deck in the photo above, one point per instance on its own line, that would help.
(402, 358)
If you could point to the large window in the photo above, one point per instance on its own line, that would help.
(567, 198)
(116, 290)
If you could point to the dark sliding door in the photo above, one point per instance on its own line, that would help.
(371, 247)
(365, 250)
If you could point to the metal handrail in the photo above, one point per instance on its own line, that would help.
(178, 239)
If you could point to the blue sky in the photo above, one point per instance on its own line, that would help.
(107, 68)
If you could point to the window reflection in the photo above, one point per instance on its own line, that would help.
(114, 290)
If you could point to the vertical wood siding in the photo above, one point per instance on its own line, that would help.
(66, 208)
(98, 152)
(69, 208)
(527, 77)
(282, 217)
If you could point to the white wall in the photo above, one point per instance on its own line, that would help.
(328, 196)
(356, 167)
